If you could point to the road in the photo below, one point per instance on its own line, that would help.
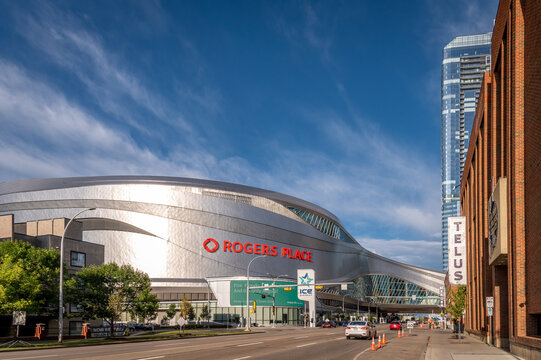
(283, 344)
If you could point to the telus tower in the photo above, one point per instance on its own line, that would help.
(465, 59)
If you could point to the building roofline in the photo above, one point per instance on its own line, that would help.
(27, 185)
(458, 40)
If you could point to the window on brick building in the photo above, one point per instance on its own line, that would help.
(537, 325)
(78, 259)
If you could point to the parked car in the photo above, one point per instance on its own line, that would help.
(329, 324)
(360, 329)
(395, 325)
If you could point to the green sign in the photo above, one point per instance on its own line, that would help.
(283, 298)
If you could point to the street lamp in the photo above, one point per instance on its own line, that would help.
(61, 290)
(248, 291)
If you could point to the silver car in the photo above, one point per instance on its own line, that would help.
(360, 329)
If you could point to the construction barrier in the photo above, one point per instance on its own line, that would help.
(85, 331)
(40, 331)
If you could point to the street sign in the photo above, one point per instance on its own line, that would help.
(490, 311)
(19, 318)
(410, 324)
(181, 321)
(490, 301)
(285, 297)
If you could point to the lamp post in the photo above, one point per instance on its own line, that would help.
(248, 291)
(61, 290)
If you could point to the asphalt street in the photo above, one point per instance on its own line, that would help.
(283, 344)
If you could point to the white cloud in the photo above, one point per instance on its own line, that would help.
(117, 89)
(312, 31)
(58, 138)
(462, 17)
(418, 252)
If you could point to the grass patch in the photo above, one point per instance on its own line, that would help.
(166, 335)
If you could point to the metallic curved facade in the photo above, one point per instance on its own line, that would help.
(159, 224)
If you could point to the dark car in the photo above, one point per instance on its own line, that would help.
(329, 324)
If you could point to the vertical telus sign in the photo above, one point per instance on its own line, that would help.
(457, 249)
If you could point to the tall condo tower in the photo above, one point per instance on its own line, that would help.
(465, 59)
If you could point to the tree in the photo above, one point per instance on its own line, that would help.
(146, 305)
(28, 278)
(205, 313)
(191, 313)
(106, 291)
(170, 312)
(185, 308)
(457, 302)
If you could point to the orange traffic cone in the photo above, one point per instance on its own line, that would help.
(373, 348)
(384, 342)
(403, 333)
(399, 334)
(379, 342)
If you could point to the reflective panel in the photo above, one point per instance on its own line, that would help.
(324, 225)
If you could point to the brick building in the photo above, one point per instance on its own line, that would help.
(501, 187)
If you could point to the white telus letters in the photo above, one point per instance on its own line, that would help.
(457, 250)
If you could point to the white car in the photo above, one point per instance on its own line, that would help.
(360, 329)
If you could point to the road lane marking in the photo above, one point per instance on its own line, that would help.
(170, 344)
(188, 348)
(31, 357)
(260, 342)
(301, 337)
(245, 357)
(359, 354)
(339, 338)
(305, 345)
(155, 357)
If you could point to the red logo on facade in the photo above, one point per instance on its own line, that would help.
(213, 245)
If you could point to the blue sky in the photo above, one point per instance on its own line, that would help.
(334, 102)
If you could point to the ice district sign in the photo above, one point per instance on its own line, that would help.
(306, 281)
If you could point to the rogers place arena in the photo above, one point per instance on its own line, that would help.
(195, 239)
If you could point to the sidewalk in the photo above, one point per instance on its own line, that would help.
(444, 345)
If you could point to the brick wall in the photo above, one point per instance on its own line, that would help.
(532, 169)
(506, 142)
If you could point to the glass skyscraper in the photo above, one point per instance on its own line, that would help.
(465, 59)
